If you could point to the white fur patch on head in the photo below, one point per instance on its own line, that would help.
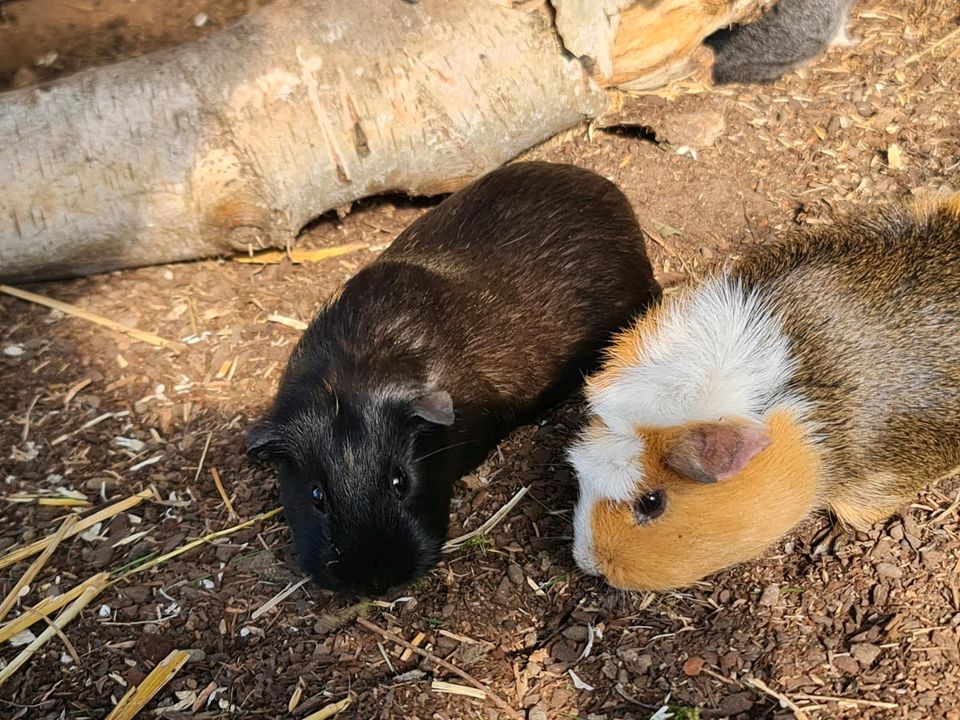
(715, 352)
(608, 464)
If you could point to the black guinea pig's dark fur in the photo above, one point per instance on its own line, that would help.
(483, 313)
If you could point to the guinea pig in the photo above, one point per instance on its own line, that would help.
(787, 36)
(819, 373)
(486, 311)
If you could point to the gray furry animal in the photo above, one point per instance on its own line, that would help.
(786, 37)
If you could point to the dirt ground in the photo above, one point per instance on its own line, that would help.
(870, 632)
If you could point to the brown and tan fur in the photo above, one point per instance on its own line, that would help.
(868, 414)
(872, 308)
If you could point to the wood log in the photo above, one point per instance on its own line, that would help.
(237, 141)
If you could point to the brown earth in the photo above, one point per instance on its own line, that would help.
(710, 172)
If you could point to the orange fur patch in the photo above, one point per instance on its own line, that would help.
(933, 202)
(626, 349)
(707, 527)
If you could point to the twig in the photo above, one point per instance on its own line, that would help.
(930, 48)
(492, 522)
(197, 543)
(298, 255)
(492, 696)
(848, 701)
(62, 620)
(278, 598)
(136, 698)
(786, 702)
(36, 566)
(75, 311)
(223, 494)
(386, 658)
(22, 553)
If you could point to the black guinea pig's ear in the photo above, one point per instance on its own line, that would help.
(263, 440)
(434, 406)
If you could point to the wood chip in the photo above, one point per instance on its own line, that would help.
(408, 653)
(137, 697)
(454, 689)
(288, 321)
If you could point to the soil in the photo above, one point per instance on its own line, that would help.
(870, 631)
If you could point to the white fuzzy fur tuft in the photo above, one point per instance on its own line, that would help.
(716, 352)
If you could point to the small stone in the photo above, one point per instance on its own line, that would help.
(503, 595)
(200, 19)
(697, 129)
(196, 654)
(865, 653)
(609, 670)
(579, 633)
(889, 570)
(693, 666)
(846, 664)
(13, 350)
(770, 596)
(725, 596)
(736, 703)
(515, 573)
(537, 712)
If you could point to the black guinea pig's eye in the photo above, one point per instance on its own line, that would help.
(399, 482)
(649, 506)
(316, 495)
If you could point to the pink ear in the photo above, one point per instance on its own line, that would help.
(711, 452)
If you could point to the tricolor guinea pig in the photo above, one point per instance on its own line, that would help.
(822, 372)
(487, 310)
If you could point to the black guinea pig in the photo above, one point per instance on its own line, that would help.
(483, 313)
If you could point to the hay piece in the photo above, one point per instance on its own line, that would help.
(137, 697)
(328, 711)
(48, 606)
(197, 543)
(492, 522)
(298, 255)
(454, 689)
(76, 607)
(22, 553)
(77, 312)
(7, 605)
(279, 598)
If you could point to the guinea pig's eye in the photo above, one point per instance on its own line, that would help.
(316, 494)
(649, 506)
(399, 482)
